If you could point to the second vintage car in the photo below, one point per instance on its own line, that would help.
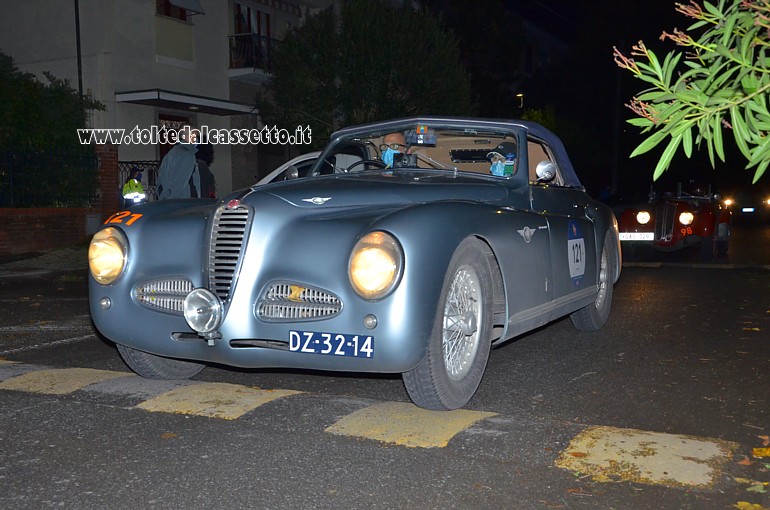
(672, 221)
(412, 247)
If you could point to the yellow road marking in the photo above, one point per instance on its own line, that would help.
(406, 424)
(214, 400)
(7, 362)
(59, 381)
(613, 454)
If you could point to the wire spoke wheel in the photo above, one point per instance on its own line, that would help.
(463, 307)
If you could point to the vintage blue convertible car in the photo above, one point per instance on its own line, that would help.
(474, 232)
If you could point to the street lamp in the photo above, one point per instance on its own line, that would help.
(520, 97)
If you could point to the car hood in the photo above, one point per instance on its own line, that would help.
(382, 189)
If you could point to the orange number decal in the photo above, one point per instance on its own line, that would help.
(118, 218)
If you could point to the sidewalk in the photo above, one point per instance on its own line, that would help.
(65, 259)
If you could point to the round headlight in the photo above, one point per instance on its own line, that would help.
(643, 217)
(686, 218)
(729, 202)
(375, 265)
(107, 255)
(202, 310)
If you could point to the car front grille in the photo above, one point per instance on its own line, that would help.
(228, 238)
(664, 221)
(165, 295)
(285, 302)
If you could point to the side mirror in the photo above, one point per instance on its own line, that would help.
(545, 171)
(291, 173)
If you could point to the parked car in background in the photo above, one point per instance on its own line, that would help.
(750, 204)
(673, 221)
(473, 232)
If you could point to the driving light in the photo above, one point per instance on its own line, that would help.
(375, 265)
(107, 255)
(729, 202)
(202, 310)
(686, 218)
(643, 217)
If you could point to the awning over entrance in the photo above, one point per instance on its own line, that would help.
(185, 102)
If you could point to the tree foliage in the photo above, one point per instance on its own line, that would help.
(719, 81)
(373, 63)
(37, 116)
(492, 42)
(42, 162)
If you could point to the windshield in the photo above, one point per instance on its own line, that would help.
(423, 146)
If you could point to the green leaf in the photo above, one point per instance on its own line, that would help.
(640, 122)
(668, 155)
(669, 65)
(728, 30)
(655, 63)
(716, 127)
(760, 170)
(711, 9)
(740, 131)
(749, 84)
(687, 142)
(649, 143)
(761, 152)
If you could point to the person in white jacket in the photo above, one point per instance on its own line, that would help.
(178, 176)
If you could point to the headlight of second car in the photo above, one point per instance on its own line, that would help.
(375, 265)
(107, 255)
(686, 218)
(643, 217)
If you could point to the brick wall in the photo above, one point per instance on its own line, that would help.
(26, 230)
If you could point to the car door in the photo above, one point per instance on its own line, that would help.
(571, 231)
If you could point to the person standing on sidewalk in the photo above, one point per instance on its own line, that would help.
(178, 176)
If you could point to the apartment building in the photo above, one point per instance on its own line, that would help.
(162, 63)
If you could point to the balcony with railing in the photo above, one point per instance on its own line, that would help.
(252, 51)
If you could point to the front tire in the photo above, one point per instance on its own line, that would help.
(595, 315)
(460, 341)
(723, 239)
(151, 366)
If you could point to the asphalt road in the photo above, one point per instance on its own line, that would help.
(668, 406)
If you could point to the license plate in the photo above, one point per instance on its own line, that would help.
(332, 344)
(637, 236)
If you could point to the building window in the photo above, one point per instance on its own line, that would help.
(251, 21)
(165, 8)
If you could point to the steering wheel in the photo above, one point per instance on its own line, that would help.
(375, 162)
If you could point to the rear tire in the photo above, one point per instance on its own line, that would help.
(458, 348)
(595, 315)
(157, 367)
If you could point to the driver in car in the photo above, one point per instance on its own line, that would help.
(393, 143)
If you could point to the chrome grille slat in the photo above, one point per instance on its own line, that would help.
(165, 295)
(664, 223)
(228, 237)
(284, 301)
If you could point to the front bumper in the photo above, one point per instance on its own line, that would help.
(400, 336)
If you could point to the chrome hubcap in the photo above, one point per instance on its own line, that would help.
(462, 311)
